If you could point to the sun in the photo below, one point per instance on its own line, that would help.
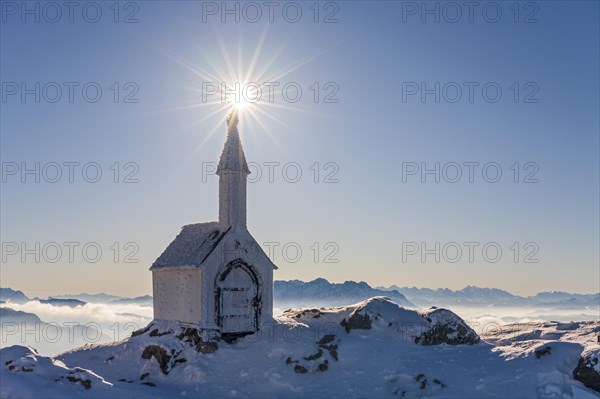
(241, 96)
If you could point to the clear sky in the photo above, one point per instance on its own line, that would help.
(366, 209)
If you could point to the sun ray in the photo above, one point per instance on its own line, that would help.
(204, 118)
(256, 54)
(226, 58)
(193, 153)
(299, 65)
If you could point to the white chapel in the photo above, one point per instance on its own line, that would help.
(214, 275)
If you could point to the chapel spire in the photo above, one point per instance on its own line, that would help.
(232, 171)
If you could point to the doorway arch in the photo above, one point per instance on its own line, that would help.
(237, 299)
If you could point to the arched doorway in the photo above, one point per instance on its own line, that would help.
(237, 299)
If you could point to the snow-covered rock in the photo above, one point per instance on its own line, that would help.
(27, 374)
(446, 327)
(588, 369)
(559, 349)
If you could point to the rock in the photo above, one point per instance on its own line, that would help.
(326, 343)
(150, 384)
(300, 369)
(419, 377)
(334, 354)
(326, 339)
(87, 384)
(440, 383)
(141, 331)
(315, 356)
(298, 313)
(357, 321)
(587, 373)
(542, 352)
(159, 354)
(155, 333)
(207, 347)
(143, 376)
(446, 328)
(194, 338)
(323, 367)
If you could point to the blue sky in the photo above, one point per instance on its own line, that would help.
(371, 53)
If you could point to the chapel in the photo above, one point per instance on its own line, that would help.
(214, 275)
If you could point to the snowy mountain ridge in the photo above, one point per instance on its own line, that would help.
(478, 296)
(322, 292)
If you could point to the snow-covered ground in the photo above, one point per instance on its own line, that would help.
(372, 349)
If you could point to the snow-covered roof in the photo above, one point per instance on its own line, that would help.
(192, 245)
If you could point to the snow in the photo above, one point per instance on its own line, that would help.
(295, 356)
(27, 374)
(192, 246)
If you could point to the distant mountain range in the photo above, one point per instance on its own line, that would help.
(321, 292)
(8, 295)
(8, 315)
(476, 296)
(60, 302)
(140, 300)
(93, 298)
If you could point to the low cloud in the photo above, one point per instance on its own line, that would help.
(103, 314)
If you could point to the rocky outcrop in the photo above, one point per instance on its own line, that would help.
(202, 341)
(588, 370)
(542, 351)
(196, 339)
(357, 321)
(160, 354)
(446, 328)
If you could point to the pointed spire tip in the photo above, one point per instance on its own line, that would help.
(232, 118)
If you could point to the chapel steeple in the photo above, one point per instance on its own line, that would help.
(232, 171)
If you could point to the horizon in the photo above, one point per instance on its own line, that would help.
(42, 296)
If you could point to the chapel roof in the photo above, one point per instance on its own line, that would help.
(192, 246)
